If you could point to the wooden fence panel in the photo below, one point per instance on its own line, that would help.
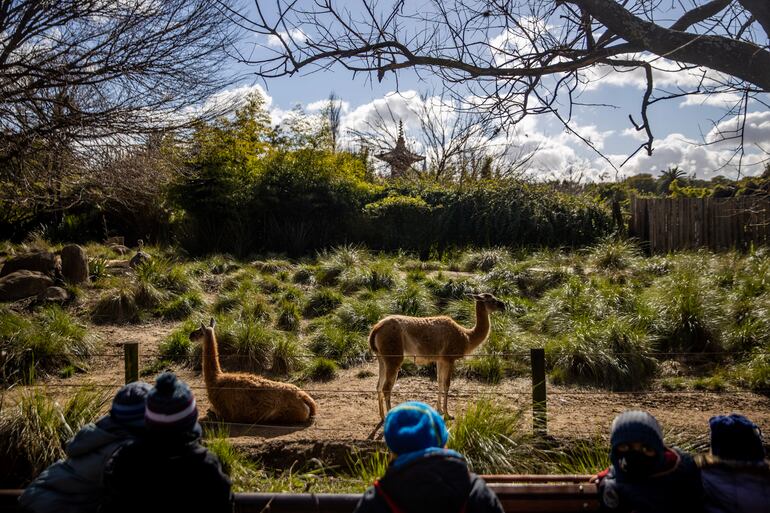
(673, 224)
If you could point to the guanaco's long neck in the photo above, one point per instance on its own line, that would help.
(480, 331)
(211, 368)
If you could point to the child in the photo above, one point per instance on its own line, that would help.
(645, 475)
(736, 476)
(169, 470)
(425, 476)
(76, 483)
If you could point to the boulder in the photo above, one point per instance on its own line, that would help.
(54, 295)
(120, 241)
(74, 264)
(41, 261)
(23, 284)
(140, 258)
(119, 249)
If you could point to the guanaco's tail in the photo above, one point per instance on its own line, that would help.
(373, 333)
(309, 402)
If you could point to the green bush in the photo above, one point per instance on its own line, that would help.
(289, 315)
(177, 347)
(182, 306)
(412, 299)
(359, 316)
(117, 306)
(287, 356)
(346, 348)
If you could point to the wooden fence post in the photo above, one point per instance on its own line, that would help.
(539, 409)
(131, 361)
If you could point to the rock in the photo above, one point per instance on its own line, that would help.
(140, 258)
(41, 261)
(74, 264)
(118, 241)
(54, 295)
(23, 284)
(119, 249)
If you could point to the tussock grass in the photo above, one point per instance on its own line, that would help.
(272, 265)
(116, 306)
(359, 316)
(287, 356)
(34, 430)
(322, 301)
(412, 299)
(614, 254)
(492, 438)
(289, 315)
(321, 369)
(182, 306)
(445, 290)
(344, 347)
(332, 263)
(611, 354)
(46, 342)
(484, 260)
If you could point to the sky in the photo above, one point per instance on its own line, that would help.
(680, 127)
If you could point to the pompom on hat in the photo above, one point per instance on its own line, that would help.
(170, 405)
(129, 404)
(734, 437)
(414, 426)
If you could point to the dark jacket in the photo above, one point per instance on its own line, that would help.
(75, 484)
(164, 474)
(435, 482)
(675, 489)
(735, 486)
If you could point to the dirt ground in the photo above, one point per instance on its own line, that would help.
(348, 407)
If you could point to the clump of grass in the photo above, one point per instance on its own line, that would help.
(359, 316)
(611, 353)
(287, 356)
(177, 347)
(271, 284)
(412, 299)
(249, 342)
(34, 430)
(502, 280)
(714, 383)
(116, 306)
(487, 369)
(686, 312)
(321, 369)
(322, 301)
(332, 263)
(346, 348)
(492, 439)
(97, 267)
(580, 457)
(164, 274)
(181, 307)
(369, 468)
(446, 290)
(46, 342)
(272, 265)
(461, 310)
(304, 275)
(755, 371)
(416, 275)
(533, 283)
(613, 254)
(289, 315)
(484, 260)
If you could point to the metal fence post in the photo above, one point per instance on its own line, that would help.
(539, 409)
(131, 360)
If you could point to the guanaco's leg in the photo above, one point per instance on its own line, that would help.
(444, 376)
(381, 386)
(392, 364)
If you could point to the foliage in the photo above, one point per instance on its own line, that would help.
(321, 369)
(49, 340)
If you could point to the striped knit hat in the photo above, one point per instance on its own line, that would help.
(129, 404)
(170, 405)
(414, 426)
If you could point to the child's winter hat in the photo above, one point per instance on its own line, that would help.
(734, 437)
(636, 426)
(129, 404)
(414, 426)
(170, 405)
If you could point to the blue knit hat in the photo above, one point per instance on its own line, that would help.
(129, 404)
(636, 426)
(170, 405)
(414, 426)
(734, 437)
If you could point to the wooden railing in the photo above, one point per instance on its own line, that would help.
(517, 493)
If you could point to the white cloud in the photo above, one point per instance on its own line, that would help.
(322, 104)
(756, 130)
(294, 34)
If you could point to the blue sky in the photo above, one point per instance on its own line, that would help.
(678, 126)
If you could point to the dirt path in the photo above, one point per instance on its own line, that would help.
(348, 406)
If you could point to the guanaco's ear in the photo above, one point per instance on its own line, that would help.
(212, 323)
